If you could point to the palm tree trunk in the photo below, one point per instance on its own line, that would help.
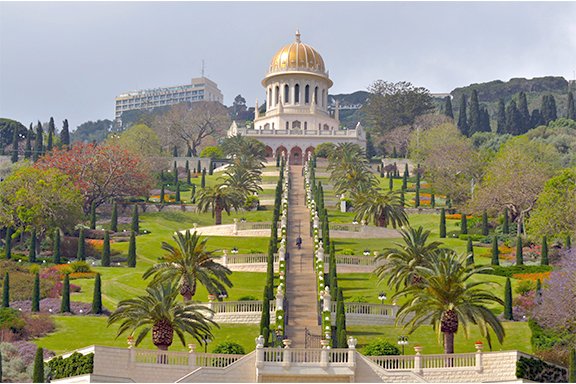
(381, 221)
(218, 215)
(448, 342)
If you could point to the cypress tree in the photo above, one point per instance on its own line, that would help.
(519, 251)
(193, 193)
(333, 272)
(56, 247)
(8, 245)
(38, 373)
(390, 182)
(405, 178)
(485, 223)
(536, 119)
(277, 161)
(106, 250)
(470, 251)
(97, 298)
(462, 118)
(203, 180)
(340, 321)
(442, 223)
(548, 109)
(417, 197)
(513, 119)
(495, 251)
(544, 258)
(38, 143)
(501, 118)
(572, 366)
(65, 135)
(51, 132)
(402, 199)
(175, 170)
(162, 194)
(506, 223)
(177, 193)
(265, 317)
(175, 151)
(28, 147)
(199, 166)
(382, 172)
(93, 215)
(188, 175)
(432, 201)
(135, 227)
(418, 176)
(508, 300)
(211, 168)
(463, 224)
(538, 286)
(114, 218)
(36, 293)
(132, 251)
(6, 291)
(81, 253)
(568, 243)
(524, 113)
(571, 107)
(448, 107)
(474, 116)
(65, 304)
(394, 153)
(448, 202)
(0, 366)
(14, 157)
(484, 120)
(32, 250)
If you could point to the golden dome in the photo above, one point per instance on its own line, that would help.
(297, 56)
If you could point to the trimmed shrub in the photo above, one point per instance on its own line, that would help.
(36, 293)
(132, 251)
(485, 223)
(508, 300)
(56, 247)
(519, 255)
(495, 252)
(8, 244)
(6, 291)
(65, 305)
(106, 251)
(32, 253)
(544, 255)
(114, 218)
(93, 215)
(229, 348)
(463, 224)
(135, 219)
(74, 365)
(81, 254)
(38, 374)
(470, 251)
(97, 299)
(381, 347)
(537, 370)
(442, 223)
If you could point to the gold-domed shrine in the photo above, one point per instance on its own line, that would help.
(297, 56)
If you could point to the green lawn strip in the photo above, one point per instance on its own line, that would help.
(73, 332)
(517, 338)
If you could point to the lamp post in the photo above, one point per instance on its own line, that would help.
(403, 341)
(382, 297)
(206, 340)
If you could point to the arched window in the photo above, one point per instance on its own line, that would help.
(277, 94)
(324, 98)
(286, 94)
(296, 124)
(307, 94)
(316, 95)
(305, 125)
(287, 125)
(297, 94)
(269, 97)
(325, 127)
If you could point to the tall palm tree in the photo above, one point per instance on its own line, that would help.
(448, 298)
(160, 312)
(244, 150)
(189, 263)
(400, 262)
(218, 198)
(242, 179)
(382, 207)
(349, 169)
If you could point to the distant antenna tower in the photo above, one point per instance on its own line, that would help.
(202, 67)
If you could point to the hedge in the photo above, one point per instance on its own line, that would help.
(74, 365)
(537, 370)
(509, 271)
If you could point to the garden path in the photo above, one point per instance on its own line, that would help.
(301, 280)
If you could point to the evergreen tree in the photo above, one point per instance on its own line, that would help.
(442, 223)
(519, 251)
(462, 118)
(418, 176)
(6, 291)
(97, 298)
(544, 255)
(370, 150)
(0, 366)
(199, 166)
(177, 198)
(114, 218)
(571, 107)
(432, 201)
(51, 132)
(394, 153)
(495, 251)
(193, 193)
(93, 215)
(265, 317)
(572, 366)
(8, 244)
(474, 116)
(65, 134)
(402, 198)
(485, 223)
(405, 177)
(175, 151)
(38, 143)
(135, 227)
(38, 373)
(203, 180)
(508, 300)
(390, 182)
(501, 118)
(56, 253)
(568, 242)
(65, 304)
(211, 168)
(513, 119)
(32, 249)
(340, 321)
(524, 113)
(382, 172)
(506, 223)
(36, 293)
(417, 197)
(536, 119)
(485, 120)
(464, 224)
(189, 152)
(548, 109)
(132, 251)
(28, 147)
(277, 161)
(106, 250)
(14, 157)
(162, 194)
(188, 176)
(448, 107)
(81, 254)
(470, 251)
(175, 171)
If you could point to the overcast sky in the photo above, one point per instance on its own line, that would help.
(69, 60)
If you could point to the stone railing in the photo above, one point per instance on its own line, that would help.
(385, 310)
(357, 260)
(298, 132)
(191, 359)
(245, 225)
(346, 227)
(239, 306)
(251, 258)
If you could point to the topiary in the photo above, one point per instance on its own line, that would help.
(229, 348)
(381, 347)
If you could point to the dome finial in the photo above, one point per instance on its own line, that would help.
(297, 35)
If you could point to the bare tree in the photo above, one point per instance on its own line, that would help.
(188, 126)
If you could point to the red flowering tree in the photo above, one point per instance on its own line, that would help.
(101, 172)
